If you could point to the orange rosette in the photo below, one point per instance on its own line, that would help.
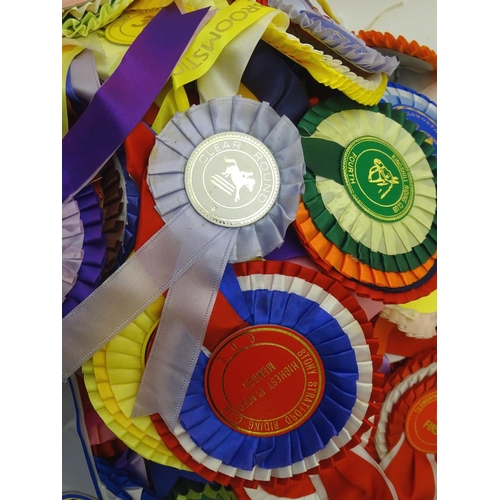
(400, 45)
(350, 266)
(322, 252)
(405, 439)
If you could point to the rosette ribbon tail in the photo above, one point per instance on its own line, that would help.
(181, 330)
(144, 70)
(135, 285)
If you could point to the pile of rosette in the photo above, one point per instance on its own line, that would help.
(224, 232)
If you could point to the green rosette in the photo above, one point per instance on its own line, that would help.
(370, 185)
(187, 489)
(326, 223)
(92, 21)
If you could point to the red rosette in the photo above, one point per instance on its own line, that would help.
(405, 438)
(103, 442)
(356, 477)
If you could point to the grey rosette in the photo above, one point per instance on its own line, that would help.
(179, 139)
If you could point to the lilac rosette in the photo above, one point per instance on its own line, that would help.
(321, 318)
(93, 247)
(335, 36)
(72, 245)
(187, 130)
(418, 108)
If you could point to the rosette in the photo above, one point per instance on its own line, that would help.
(387, 270)
(186, 489)
(112, 377)
(411, 322)
(123, 484)
(377, 205)
(110, 187)
(287, 95)
(334, 36)
(84, 247)
(241, 117)
(411, 54)
(396, 343)
(131, 209)
(80, 21)
(357, 476)
(418, 108)
(323, 253)
(406, 432)
(226, 177)
(103, 442)
(72, 245)
(326, 69)
(266, 435)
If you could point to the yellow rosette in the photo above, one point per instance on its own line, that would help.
(327, 70)
(112, 378)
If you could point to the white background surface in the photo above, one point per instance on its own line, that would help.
(413, 19)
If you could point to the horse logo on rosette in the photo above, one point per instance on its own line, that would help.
(238, 177)
(382, 176)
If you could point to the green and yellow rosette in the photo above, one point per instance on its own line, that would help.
(92, 19)
(112, 378)
(368, 211)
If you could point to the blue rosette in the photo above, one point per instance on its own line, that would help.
(329, 318)
(418, 108)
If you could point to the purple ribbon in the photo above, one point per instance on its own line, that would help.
(122, 101)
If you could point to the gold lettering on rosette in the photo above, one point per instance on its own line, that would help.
(259, 375)
(351, 164)
(289, 371)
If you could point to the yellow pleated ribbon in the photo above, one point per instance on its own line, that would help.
(112, 378)
(327, 70)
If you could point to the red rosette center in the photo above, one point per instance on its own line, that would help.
(264, 380)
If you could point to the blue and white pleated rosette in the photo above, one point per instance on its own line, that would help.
(284, 294)
(335, 36)
(418, 108)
